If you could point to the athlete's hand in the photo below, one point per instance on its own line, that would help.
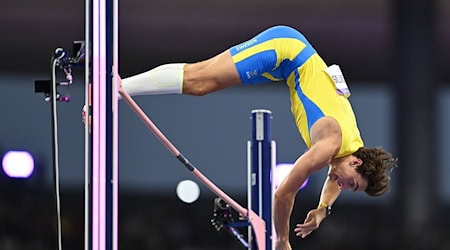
(84, 110)
(119, 79)
(311, 223)
(282, 245)
(83, 117)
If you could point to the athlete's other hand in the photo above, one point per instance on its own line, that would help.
(83, 118)
(83, 114)
(311, 223)
(84, 109)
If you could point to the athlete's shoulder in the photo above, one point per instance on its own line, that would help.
(326, 128)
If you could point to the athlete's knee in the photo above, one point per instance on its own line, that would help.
(215, 74)
(198, 88)
(197, 85)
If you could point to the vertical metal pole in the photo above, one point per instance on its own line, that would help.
(115, 132)
(273, 151)
(87, 134)
(104, 126)
(260, 188)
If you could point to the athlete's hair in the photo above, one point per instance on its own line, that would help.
(376, 167)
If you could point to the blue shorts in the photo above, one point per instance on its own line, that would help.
(272, 55)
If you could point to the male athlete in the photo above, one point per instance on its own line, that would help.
(319, 103)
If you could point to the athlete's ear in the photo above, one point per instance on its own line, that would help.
(356, 162)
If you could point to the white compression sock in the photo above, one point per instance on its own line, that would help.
(165, 79)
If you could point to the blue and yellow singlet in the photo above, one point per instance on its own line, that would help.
(282, 53)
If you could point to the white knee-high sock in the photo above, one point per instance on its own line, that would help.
(165, 79)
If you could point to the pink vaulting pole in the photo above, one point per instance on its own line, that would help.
(257, 223)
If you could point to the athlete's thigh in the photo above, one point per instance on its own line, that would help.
(199, 65)
(217, 73)
(223, 70)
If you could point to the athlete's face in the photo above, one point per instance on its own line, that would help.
(343, 172)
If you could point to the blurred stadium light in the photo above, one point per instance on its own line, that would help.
(18, 164)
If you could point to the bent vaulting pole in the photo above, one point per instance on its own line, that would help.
(257, 223)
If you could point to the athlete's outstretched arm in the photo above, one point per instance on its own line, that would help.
(330, 192)
(313, 160)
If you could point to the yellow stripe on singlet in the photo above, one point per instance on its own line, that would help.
(271, 77)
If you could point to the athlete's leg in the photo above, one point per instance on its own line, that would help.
(211, 75)
(164, 79)
(195, 79)
(200, 65)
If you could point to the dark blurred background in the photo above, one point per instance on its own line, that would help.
(394, 55)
